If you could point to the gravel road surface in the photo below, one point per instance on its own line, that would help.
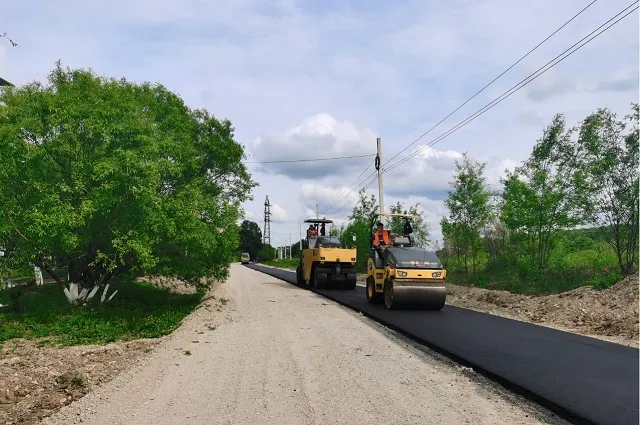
(281, 355)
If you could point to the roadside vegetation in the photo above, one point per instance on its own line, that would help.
(104, 182)
(285, 263)
(140, 310)
(566, 217)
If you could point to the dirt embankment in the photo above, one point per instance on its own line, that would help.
(610, 314)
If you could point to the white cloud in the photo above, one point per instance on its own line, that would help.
(278, 214)
(328, 198)
(318, 136)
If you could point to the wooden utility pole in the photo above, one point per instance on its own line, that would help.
(379, 168)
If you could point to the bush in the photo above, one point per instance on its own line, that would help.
(604, 281)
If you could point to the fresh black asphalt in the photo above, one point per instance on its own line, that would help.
(585, 380)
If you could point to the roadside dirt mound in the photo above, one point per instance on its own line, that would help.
(610, 314)
(36, 381)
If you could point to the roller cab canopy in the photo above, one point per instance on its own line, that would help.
(318, 220)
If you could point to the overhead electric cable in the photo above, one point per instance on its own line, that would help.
(310, 159)
(348, 204)
(494, 80)
(522, 83)
(347, 191)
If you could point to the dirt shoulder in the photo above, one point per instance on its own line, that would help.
(610, 314)
(37, 379)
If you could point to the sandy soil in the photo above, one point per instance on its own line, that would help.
(36, 381)
(276, 354)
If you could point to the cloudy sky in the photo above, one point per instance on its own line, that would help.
(295, 75)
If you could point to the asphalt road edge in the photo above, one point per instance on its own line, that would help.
(561, 411)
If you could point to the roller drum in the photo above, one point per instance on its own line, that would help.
(418, 294)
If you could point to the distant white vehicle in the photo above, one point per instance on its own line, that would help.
(245, 258)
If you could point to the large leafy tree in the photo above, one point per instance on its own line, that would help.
(105, 177)
(607, 175)
(469, 211)
(250, 238)
(539, 197)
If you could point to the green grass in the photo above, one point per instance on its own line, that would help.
(569, 268)
(139, 310)
(287, 263)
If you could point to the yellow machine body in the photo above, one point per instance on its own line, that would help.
(326, 257)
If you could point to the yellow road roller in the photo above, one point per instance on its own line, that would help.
(324, 263)
(402, 275)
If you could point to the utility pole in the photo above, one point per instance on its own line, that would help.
(290, 245)
(300, 228)
(379, 168)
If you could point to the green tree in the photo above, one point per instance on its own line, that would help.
(359, 221)
(469, 211)
(607, 175)
(420, 227)
(336, 231)
(539, 198)
(106, 178)
(250, 238)
(496, 235)
(365, 207)
(267, 253)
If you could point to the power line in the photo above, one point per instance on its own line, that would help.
(522, 84)
(492, 81)
(310, 159)
(346, 202)
(346, 192)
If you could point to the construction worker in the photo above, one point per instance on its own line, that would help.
(312, 232)
(382, 240)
